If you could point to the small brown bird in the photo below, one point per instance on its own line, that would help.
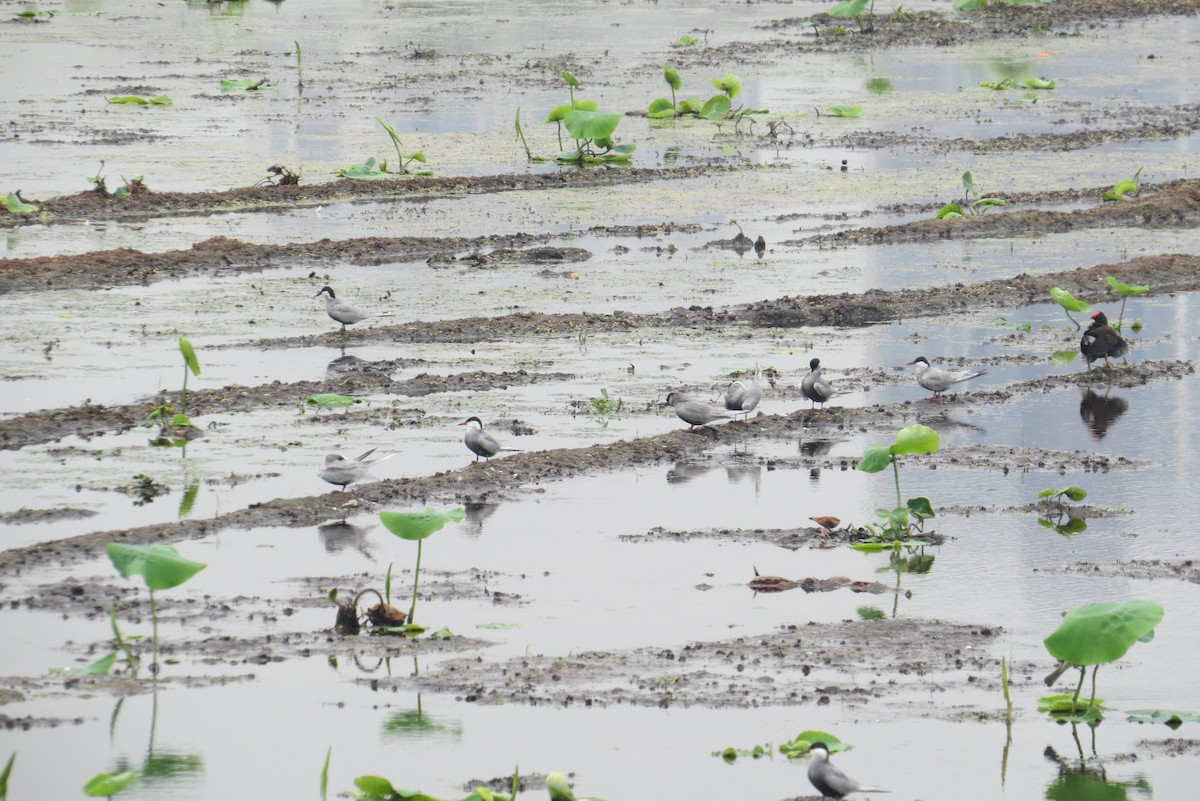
(1101, 341)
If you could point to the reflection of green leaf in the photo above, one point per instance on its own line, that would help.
(164, 765)
(419, 525)
(1099, 633)
(413, 722)
(160, 566)
(108, 784)
(497, 625)
(879, 86)
(129, 100)
(869, 613)
(100, 667)
(1061, 357)
(1169, 717)
(189, 498)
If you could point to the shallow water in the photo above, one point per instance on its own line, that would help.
(576, 552)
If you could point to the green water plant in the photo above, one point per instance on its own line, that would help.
(1171, 718)
(138, 100)
(15, 204)
(898, 524)
(1124, 190)
(529, 154)
(246, 84)
(855, 9)
(849, 112)
(972, 204)
(161, 568)
(331, 400)
(1126, 292)
(106, 785)
(1069, 304)
(1093, 635)
(403, 159)
(328, 754)
(591, 129)
(168, 420)
(101, 667)
(5, 774)
(799, 745)
(417, 526)
(1059, 516)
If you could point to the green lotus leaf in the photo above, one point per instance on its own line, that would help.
(419, 525)
(160, 566)
(103, 785)
(1068, 301)
(592, 124)
(875, 458)
(1125, 290)
(1099, 633)
(915, 439)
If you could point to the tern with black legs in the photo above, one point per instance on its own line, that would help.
(342, 312)
(937, 380)
(694, 412)
(830, 781)
(480, 442)
(815, 387)
(343, 472)
(1101, 341)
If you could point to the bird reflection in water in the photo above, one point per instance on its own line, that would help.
(1100, 411)
(477, 514)
(337, 537)
(683, 472)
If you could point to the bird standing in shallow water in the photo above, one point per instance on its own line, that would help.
(1101, 340)
(343, 472)
(937, 380)
(816, 388)
(694, 412)
(343, 312)
(830, 781)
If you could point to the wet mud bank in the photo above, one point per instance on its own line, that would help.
(526, 472)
